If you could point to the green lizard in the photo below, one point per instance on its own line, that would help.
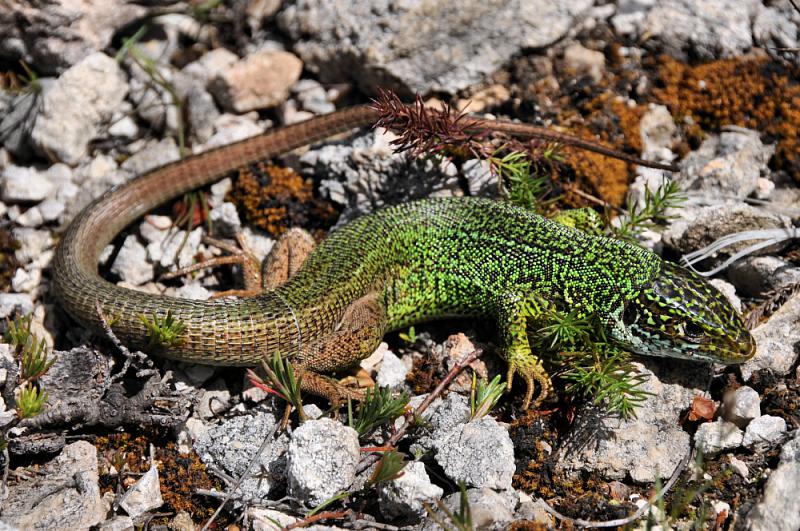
(424, 260)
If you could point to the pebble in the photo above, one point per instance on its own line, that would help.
(144, 495)
(403, 497)
(741, 406)
(23, 185)
(764, 431)
(131, 264)
(392, 372)
(715, 437)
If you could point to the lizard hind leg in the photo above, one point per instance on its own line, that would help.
(513, 312)
(286, 257)
(356, 336)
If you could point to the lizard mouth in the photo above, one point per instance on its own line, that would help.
(739, 349)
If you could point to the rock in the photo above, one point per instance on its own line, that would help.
(176, 248)
(704, 30)
(154, 155)
(708, 224)
(658, 131)
(232, 445)
(17, 120)
(738, 466)
(34, 244)
(580, 61)
(65, 31)
(118, 523)
(488, 509)
(649, 446)
(213, 403)
(366, 174)
(154, 102)
(479, 453)
(212, 64)
(630, 15)
(775, 29)
(403, 497)
(741, 406)
(778, 509)
(764, 431)
(714, 437)
(75, 107)
(443, 46)
(480, 180)
(441, 417)
(269, 519)
(728, 165)
(535, 511)
(776, 341)
(755, 275)
(791, 450)
(192, 291)
(25, 281)
(144, 495)
(131, 263)
(201, 114)
(322, 459)
(51, 209)
(182, 522)
(729, 291)
(231, 128)
(66, 494)
(225, 219)
(392, 372)
(260, 80)
(22, 185)
(313, 97)
(12, 304)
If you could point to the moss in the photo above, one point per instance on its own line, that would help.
(757, 93)
(275, 198)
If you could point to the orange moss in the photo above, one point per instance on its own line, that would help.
(276, 198)
(757, 93)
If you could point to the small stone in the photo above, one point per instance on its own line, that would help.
(581, 61)
(738, 466)
(791, 450)
(12, 304)
(225, 219)
(211, 64)
(232, 128)
(489, 510)
(144, 495)
(755, 275)
(778, 509)
(480, 179)
(213, 402)
(193, 291)
(741, 406)
(201, 113)
(404, 497)
(164, 252)
(657, 130)
(151, 157)
(182, 522)
(118, 523)
(25, 281)
(392, 372)
(260, 80)
(313, 411)
(33, 243)
(728, 289)
(372, 362)
(22, 185)
(322, 459)
(714, 437)
(51, 209)
(441, 417)
(74, 108)
(764, 431)
(269, 519)
(776, 341)
(125, 127)
(479, 452)
(131, 264)
(30, 218)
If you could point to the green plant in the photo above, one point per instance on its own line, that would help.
(377, 408)
(484, 395)
(652, 213)
(389, 467)
(409, 337)
(31, 401)
(164, 333)
(518, 182)
(458, 521)
(18, 331)
(285, 383)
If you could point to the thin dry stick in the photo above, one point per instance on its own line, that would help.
(325, 515)
(369, 460)
(639, 512)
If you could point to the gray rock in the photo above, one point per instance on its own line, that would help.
(729, 291)
(392, 372)
(32, 217)
(443, 46)
(51, 209)
(488, 508)
(741, 406)
(231, 128)
(21, 185)
(776, 341)
(65, 31)
(755, 275)
(657, 130)
(210, 65)
(144, 495)
(403, 497)
(764, 431)
(439, 419)
(131, 263)
(118, 523)
(791, 450)
(479, 453)
(372, 176)
(12, 304)
(175, 244)
(124, 127)
(313, 97)
(17, 121)
(714, 437)
(707, 30)
(25, 281)
(232, 445)
(201, 113)
(581, 61)
(154, 103)
(322, 459)
(154, 155)
(728, 165)
(213, 403)
(648, 446)
(778, 509)
(66, 494)
(269, 519)
(480, 180)
(33, 243)
(225, 219)
(75, 107)
(630, 15)
(708, 224)
(258, 81)
(775, 29)
(192, 291)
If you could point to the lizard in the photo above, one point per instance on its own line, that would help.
(423, 260)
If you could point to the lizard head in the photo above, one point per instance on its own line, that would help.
(681, 315)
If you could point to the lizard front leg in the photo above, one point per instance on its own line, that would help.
(357, 335)
(513, 311)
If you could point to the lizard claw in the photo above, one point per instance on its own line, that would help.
(532, 371)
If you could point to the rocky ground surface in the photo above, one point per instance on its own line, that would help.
(711, 85)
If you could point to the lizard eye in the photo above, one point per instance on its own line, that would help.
(693, 330)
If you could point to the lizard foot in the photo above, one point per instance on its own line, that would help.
(531, 370)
